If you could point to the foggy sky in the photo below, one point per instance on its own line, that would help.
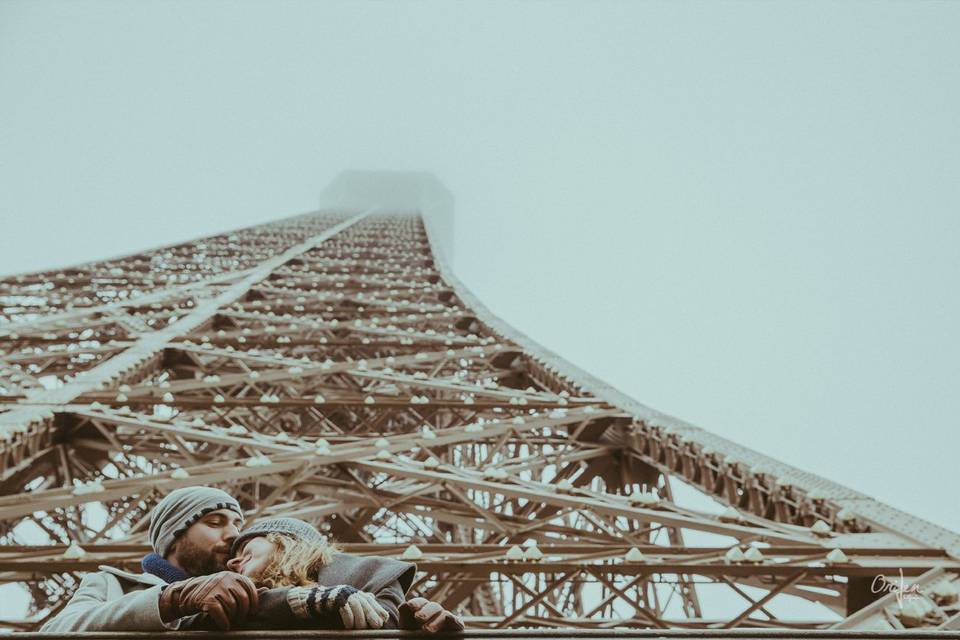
(742, 214)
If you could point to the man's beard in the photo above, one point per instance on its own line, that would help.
(197, 561)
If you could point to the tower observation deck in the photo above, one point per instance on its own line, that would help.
(330, 366)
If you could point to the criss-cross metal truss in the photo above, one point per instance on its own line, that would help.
(329, 366)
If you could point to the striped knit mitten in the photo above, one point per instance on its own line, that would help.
(354, 608)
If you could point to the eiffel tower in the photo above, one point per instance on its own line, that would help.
(330, 366)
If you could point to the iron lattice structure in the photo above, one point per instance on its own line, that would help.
(329, 366)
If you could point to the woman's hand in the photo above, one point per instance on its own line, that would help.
(354, 608)
(362, 611)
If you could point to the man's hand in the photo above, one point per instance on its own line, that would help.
(226, 596)
(426, 615)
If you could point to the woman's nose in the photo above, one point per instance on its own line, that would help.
(234, 564)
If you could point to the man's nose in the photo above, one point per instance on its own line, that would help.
(230, 532)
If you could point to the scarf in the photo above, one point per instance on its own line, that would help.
(155, 564)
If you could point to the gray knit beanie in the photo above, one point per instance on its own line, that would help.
(181, 508)
(292, 527)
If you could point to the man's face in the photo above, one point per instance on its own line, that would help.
(205, 546)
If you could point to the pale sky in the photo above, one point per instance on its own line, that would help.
(741, 214)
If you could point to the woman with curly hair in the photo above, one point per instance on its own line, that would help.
(329, 589)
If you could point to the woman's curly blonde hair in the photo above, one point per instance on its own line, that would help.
(294, 563)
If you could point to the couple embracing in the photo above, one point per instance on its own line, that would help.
(207, 572)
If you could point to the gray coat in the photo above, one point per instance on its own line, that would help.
(386, 578)
(113, 600)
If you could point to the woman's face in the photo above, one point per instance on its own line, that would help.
(253, 557)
